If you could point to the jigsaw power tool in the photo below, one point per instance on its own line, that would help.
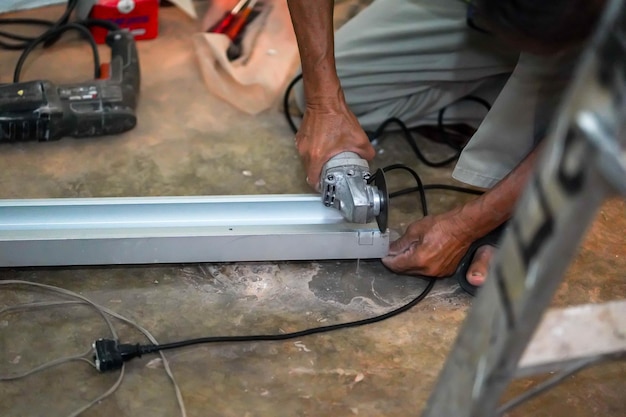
(42, 111)
(347, 185)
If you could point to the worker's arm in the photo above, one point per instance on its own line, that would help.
(434, 245)
(328, 126)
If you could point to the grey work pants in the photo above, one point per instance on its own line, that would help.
(410, 58)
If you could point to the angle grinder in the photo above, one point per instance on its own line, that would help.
(347, 185)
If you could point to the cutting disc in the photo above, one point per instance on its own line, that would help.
(381, 183)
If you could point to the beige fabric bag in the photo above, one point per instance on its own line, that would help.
(254, 81)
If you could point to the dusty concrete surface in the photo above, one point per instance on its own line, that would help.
(189, 143)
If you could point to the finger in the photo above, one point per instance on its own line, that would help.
(313, 175)
(401, 245)
(402, 262)
(418, 272)
(313, 184)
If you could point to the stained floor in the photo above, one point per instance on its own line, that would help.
(188, 142)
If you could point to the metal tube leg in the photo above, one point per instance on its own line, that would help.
(582, 165)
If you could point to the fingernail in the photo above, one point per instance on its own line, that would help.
(477, 274)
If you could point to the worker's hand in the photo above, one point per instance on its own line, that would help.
(432, 246)
(329, 128)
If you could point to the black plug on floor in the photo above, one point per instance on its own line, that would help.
(111, 355)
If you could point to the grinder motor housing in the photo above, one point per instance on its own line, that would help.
(346, 185)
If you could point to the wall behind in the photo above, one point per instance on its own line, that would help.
(7, 5)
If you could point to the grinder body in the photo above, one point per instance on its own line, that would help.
(346, 185)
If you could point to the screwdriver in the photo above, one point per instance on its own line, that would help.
(240, 20)
(225, 22)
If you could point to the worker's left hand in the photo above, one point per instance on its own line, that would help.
(432, 246)
(327, 129)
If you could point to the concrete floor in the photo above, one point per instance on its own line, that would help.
(190, 143)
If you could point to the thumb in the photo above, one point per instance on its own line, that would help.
(314, 171)
(400, 245)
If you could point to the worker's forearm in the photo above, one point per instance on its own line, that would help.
(313, 24)
(498, 204)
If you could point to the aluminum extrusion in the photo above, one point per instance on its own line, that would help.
(145, 230)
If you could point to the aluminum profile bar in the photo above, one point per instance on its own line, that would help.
(146, 230)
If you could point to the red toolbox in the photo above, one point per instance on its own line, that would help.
(141, 17)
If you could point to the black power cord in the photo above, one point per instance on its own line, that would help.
(408, 136)
(420, 185)
(406, 132)
(22, 40)
(51, 35)
(436, 187)
(110, 354)
(290, 87)
(55, 32)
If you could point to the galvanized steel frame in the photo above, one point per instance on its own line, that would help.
(584, 163)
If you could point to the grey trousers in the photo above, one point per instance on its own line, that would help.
(410, 58)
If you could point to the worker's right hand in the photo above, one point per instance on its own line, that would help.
(329, 128)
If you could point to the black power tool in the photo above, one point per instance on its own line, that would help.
(42, 111)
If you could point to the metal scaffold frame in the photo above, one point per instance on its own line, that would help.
(584, 162)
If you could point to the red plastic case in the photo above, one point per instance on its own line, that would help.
(141, 17)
